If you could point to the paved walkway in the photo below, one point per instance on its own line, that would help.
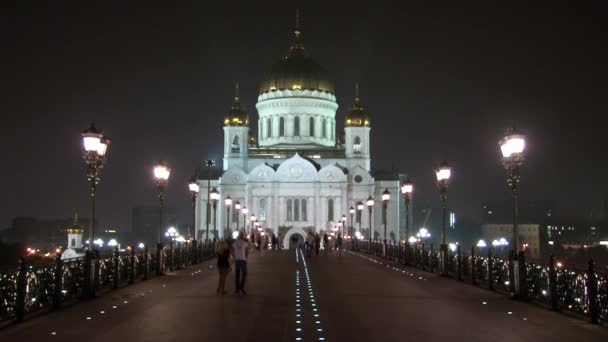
(330, 297)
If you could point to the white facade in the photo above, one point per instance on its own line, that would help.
(299, 182)
(298, 178)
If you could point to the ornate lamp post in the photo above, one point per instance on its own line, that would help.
(251, 225)
(406, 190)
(228, 202)
(360, 210)
(512, 147)
(95, 146)
(194, 189)
(171, 234)
(237, 209)
(343, 223)
(351, 211)
(370, 205)
(244, 211)
(386, 196)
(215, 197)
(161, 175)
(210, 164)
(444, 172)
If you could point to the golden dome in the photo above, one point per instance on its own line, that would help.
(236, 115)
(297, 71)
(357, 117)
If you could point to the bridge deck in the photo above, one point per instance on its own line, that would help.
(351, 298)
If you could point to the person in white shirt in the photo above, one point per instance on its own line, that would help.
(240, 252)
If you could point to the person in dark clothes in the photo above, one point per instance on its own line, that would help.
(222, 250)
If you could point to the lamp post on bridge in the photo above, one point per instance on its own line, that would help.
(215, 197)
(343, 221)
(244, 211)
(351, 211)
(512, 147)
(194, 189)
(161, 175)
(370, 205)
(360, 210)
(237, 209)
(209, 163)
(406, 190)
(443, 173)
(95, 146)
(386, 196)
(228, 202)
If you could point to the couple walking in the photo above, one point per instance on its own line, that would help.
(226, 253)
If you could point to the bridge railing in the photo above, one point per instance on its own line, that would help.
(581, 291)
(31, 287)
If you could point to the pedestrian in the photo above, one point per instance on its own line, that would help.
(310, 244)
(317, 243)
(240, 251)
(326, 243)
(223, 264)
(339, 244)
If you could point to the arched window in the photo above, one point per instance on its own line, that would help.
(289, 212)
(296, 210)
(236, 148)
(357, 145)
(304, 218)
(324, 129)
(296, 126)
(73, 243)
(268, 128)
(330, 209)
(282, 127)
(332, 131)
(311, 125)
(262, 209)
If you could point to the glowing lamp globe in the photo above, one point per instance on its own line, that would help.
(214, 195)
(228, 201)
(193, 186)
(161, 171)
(386, 195)
(512, 145)
(407, 187)
(370, 201)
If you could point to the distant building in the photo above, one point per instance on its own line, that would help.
(529, 236)
(75, 245)
(42, 233)
(145, 222)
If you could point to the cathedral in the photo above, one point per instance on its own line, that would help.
(296, 175)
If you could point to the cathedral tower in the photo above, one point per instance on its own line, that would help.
(357, 126)
(236, 135)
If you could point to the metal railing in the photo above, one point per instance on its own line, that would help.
(31, 288)
(581, 291)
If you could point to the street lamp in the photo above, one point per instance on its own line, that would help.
(161, 175)
(443, 173)
(228, 202)
(406, 190)
(360, 212)
(95, 146)
(386, 196)
(512, 147)
(237, 208)
(171, 233)
(253, 220)
(194, 189)
(209, 163)
(351, 211)
(215, 197)
(370, 204)
(245, 211)
(343, 224)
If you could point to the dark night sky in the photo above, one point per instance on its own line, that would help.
(440, 82)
